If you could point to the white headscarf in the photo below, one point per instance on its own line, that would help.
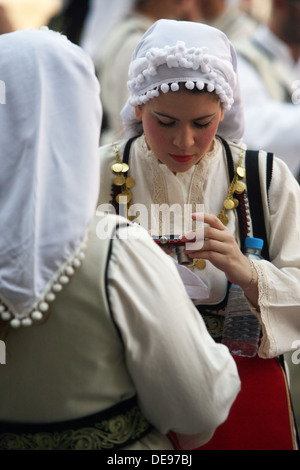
(171, 52)
(49, 176)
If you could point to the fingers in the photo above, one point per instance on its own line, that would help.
(209, 219)
(214, 243)
(208, 228)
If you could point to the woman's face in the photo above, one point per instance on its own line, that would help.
(180, 126)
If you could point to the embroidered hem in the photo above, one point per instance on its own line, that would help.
(113, 432)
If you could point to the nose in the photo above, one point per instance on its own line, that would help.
(184, 138)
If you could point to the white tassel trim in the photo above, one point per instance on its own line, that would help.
(142, 71)
(41, 307)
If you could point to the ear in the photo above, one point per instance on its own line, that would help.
(222, 114)
(138, 111)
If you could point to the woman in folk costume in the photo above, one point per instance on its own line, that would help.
(185, 123)
(90, 362)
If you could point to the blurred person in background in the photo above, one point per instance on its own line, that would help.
(70, 19)
(257, 9)
(228, 16)
(269, 65)
(88, 22)
(5, 23)
(30, 14)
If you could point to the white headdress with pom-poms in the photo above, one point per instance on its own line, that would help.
(173, 52)
(164, 67)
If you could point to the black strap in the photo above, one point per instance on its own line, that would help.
(116, 190)
(127, 149)
(241, 216)
(254, 195)
(269, 171)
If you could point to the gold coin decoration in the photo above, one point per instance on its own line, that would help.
(200, 264)
(229, 204)
(124, 197)
(129, 182)
(117, 167)
(119, 180)
(122, 181)
(240, 187)
(241, 172)
(128, 194)
(236, 186)
(224, 218)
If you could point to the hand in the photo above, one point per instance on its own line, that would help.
(220, 248)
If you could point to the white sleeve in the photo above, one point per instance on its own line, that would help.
(269, 124)
(279, 280)
(185, 381)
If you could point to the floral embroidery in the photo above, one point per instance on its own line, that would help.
(113, 433)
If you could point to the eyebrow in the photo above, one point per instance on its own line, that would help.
(175, 119)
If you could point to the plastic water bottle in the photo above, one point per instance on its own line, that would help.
(242, 329)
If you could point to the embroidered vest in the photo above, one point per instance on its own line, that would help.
(79, 395)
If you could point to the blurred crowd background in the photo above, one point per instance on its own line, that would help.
(25, 14)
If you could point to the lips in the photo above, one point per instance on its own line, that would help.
(181, 158)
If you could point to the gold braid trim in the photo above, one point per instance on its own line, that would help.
(113, 433)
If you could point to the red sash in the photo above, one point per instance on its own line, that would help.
(261, 417)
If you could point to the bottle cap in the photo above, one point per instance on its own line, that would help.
(254, 243)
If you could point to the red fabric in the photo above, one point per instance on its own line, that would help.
(260, 418)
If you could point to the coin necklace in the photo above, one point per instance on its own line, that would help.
(236, 186)
(122, 182)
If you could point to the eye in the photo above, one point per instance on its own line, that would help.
(166, 123)
(202, 126)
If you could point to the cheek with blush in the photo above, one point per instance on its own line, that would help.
(208, 135)
(155, 135)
